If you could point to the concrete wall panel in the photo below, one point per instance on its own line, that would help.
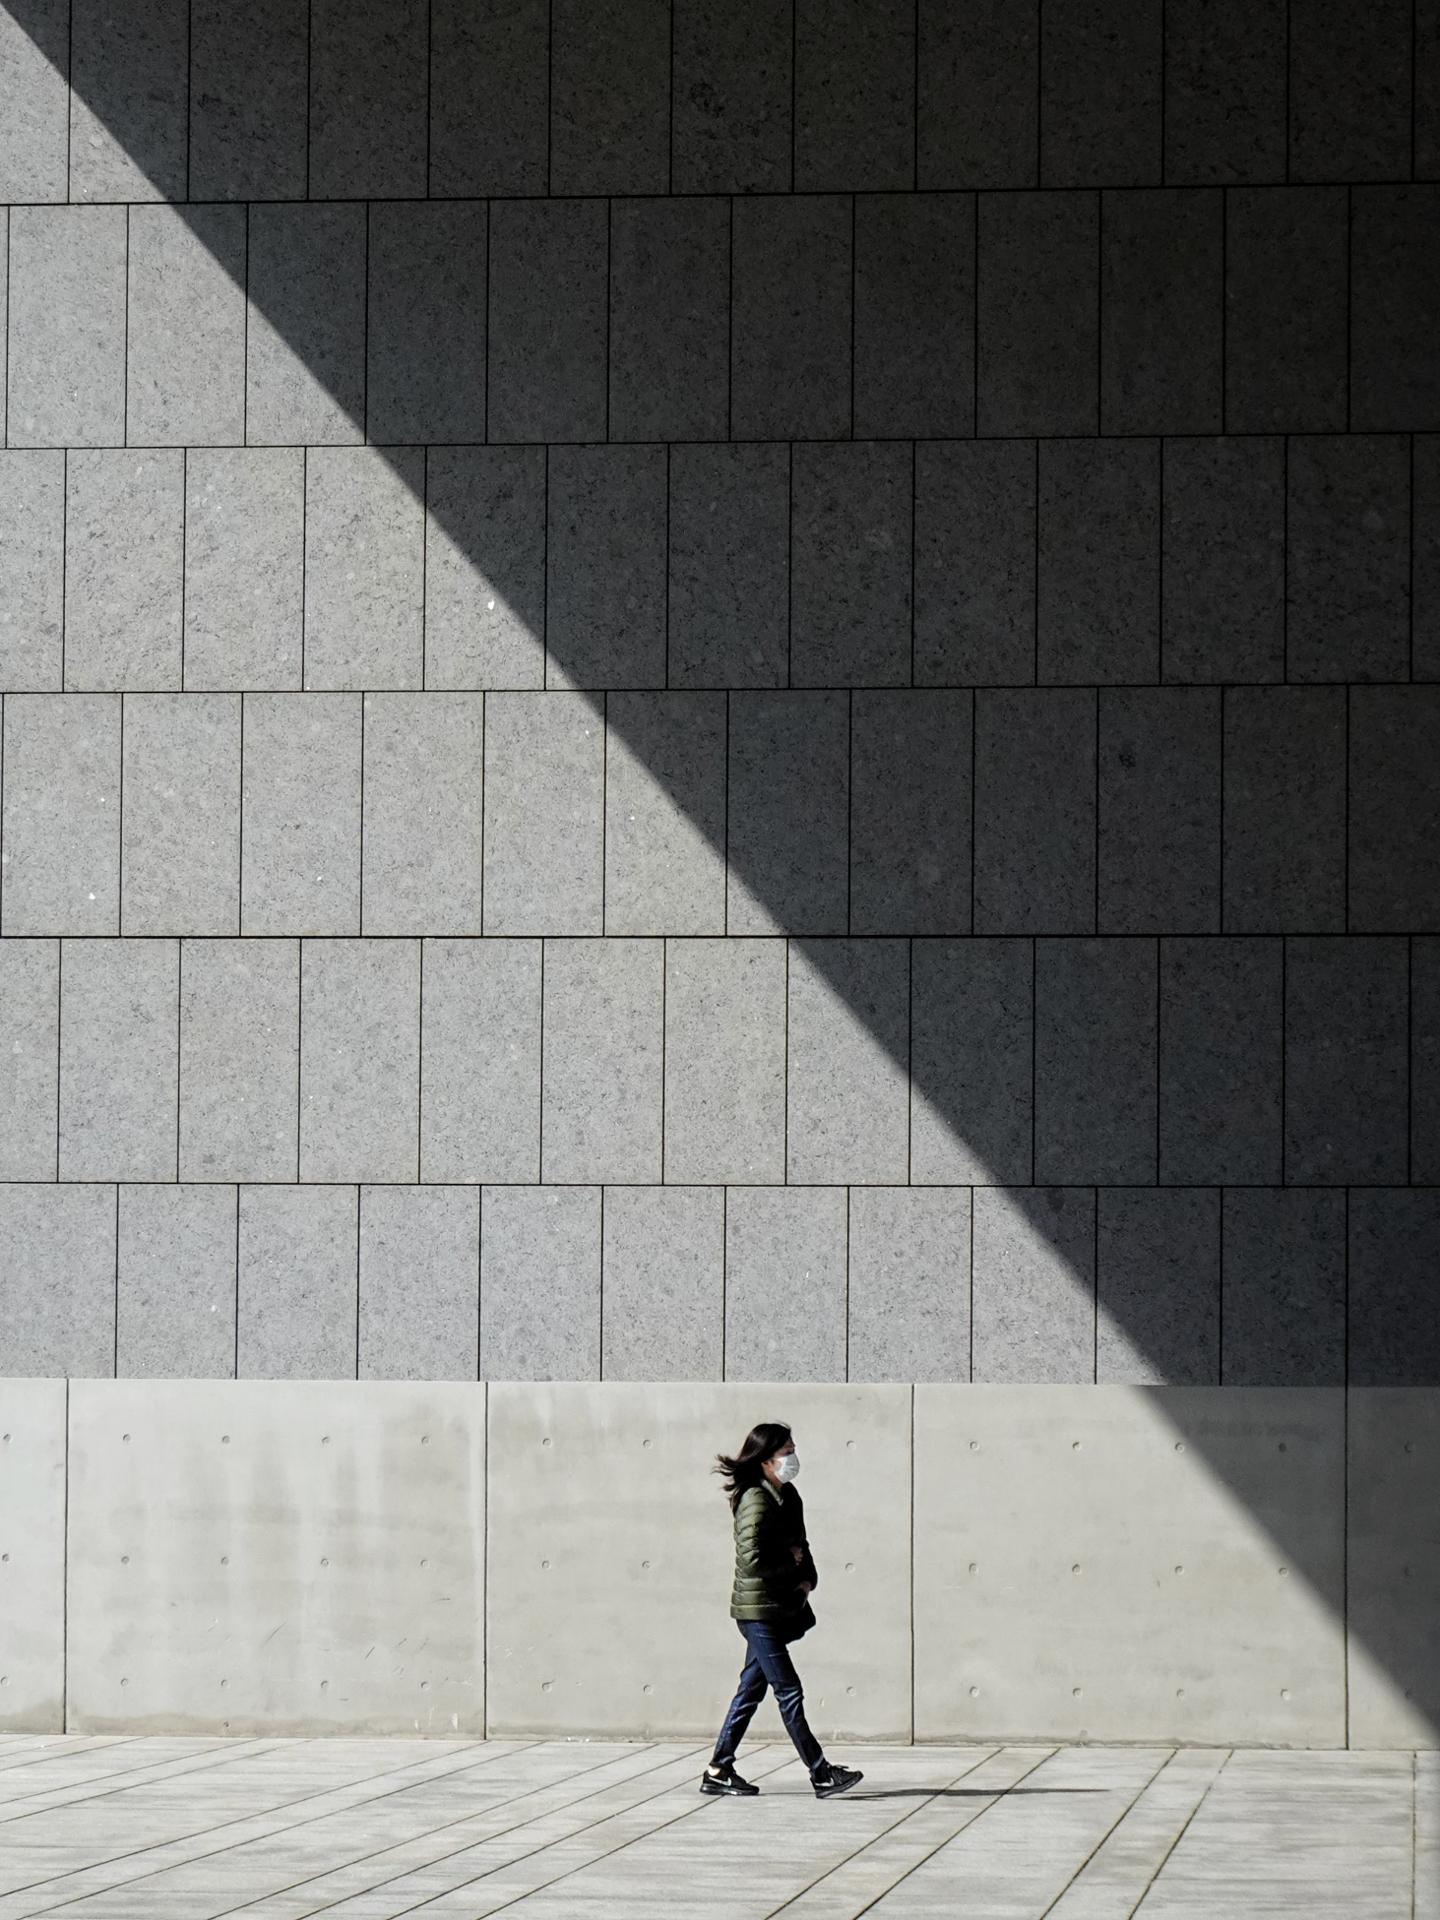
(1393, 1564)
(32, 1573)
(1208, 1520)
(632, 1462)
(299, 1558)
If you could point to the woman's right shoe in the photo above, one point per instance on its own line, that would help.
(830, 1780)
(725, 1780)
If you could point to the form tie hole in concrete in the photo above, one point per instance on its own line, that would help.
(224, 1559)
(1284, 1693)
(645, 1443)
(1179, 1693)
(124, 1682)
(424, 1563)
(1075, 1446)
(6, 1438)
(849, 1446)
(645, 1564)
(1179, 1569)
(1076, 1692)
(973, 1567)
(224, 1683)
(324, 1563)
(974, 1693)
(224, 1439)
(125, 1437)
(1283, 1572)
(5, 1556)
(1076, 1567)
(1283, 1447)
(974, 1446)
(324, 1686)
(424, 1439)
(324, 1439)
(124, 1559)
(545, 1565)
(849, 1689)
(1409, 1446)
(545, 1441)
(545, 1685)
(1179, 1446)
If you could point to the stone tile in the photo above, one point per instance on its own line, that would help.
(489, 98)
(1394, 382)
(419, 1283)
(1285, 310)
(610, 97)
(971, 1062)
(788, 831)
(305, 355)
(1225, 94)
(32, 569)
(175, 1277)
(725, 1067)
(1284, 810)
(119, 1031)
(359, 1059)
(35, 103)
(239, 1059)
(124, 546)
(1162, 301)
(1158, 1286)
(364, 567)
(1348, 559)
(1035, 811)
(1393, 1339)
(1221, 1023)
(670, 319)
(602, 1078)
(664, 1267)
(57, 1280)
(62, 813)
(915, 315)
(854, 96)
(1160, 757)
(1283, 1266)
(1095, 1061)
(729, 548)
(480, 1060)
(605, 567)
(791, 320)
(978, 94)
(540, 1265)
(1098, 564)
(485, 567)
(369, 99)
(1101, 80)
(975, 563)
(731, 99)
(300, 861)
(427, 279)
(1346, 1061)
(1425, 557)
(665, 813)
(1033, 1298)
(180, 838)
(129, 105)
(299, 1283)
(249, 77)
(852, 539)
(785, 1262)
(1349, 92)
(910, 832)
(1394, 810)
(544, 814)
(547, 358)
(909, 1292)
(1038, 319)
(1222, 571)
(185, 372)
(1425, 1062)
(66, 379)
(848, 1052)
(423, 812)
(29, 1033)
(244, 567)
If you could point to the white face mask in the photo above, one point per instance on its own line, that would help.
(787, 1467)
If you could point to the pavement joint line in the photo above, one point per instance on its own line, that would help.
(499, 1834)
(1117, 1822)
(1185, 1828)
(930, 1851)
(284, 1827)
(120, 1782)
(10, 1758)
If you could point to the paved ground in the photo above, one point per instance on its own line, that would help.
(189, 1829)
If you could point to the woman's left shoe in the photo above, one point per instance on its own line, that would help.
(724, 1780)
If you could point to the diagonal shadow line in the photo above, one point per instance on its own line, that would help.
(121, 101)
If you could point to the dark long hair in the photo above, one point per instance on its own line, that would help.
(747, 1468)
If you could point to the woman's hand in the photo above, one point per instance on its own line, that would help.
(799, 1553)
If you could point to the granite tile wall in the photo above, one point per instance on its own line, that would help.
(699, 690)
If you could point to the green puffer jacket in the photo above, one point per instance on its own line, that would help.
(769, 1522)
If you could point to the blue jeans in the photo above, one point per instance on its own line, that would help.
(769, 1665)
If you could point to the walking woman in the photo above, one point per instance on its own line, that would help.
(770, 1603)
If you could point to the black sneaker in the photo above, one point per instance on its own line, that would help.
(829, 1780)
(724, 1780)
